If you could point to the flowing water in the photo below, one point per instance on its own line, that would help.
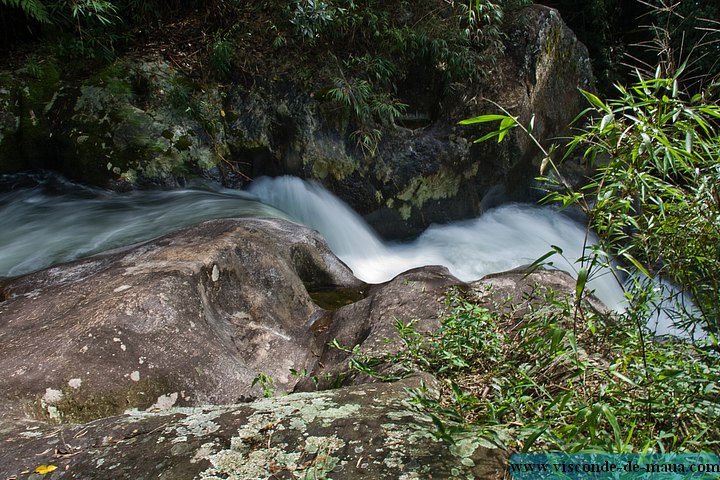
(46, 219)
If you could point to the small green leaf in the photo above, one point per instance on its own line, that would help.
(595, 101)
(483, 119)
(505, 126)
(612, 420)
(541, 261)
(636, 264)
(532, 438)
(581, 281)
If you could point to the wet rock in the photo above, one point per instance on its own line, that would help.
(416, 297)
(188, 319)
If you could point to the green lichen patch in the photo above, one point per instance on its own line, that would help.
(337, 168)
(444, 184)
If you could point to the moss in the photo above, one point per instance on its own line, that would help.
(183, 143)
(338, 168)
(142, 120)
(26, 97)
(444, 184)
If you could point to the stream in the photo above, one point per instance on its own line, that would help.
(46, 219)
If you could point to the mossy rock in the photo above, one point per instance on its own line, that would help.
(27, 97)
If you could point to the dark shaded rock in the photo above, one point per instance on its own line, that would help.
(137, 122)
(188, 319)
(548, 66)
(27, 95)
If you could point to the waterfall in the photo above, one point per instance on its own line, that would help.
(503, 238)
(46, 219)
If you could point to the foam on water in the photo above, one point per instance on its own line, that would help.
(503, 238)
(45, 220)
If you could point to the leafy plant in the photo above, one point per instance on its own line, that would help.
(222, 52)
(653, 202)
(311, 17)
(576, 380)
(368, 109)
(546, 381)
(265, 382)
(656, 198)
(34, 9)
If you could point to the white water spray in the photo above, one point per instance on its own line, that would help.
(45, 220)
(503, 238)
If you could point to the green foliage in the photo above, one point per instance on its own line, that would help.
(656, 192)
(34, 9)
(654, 201)
(551, 379)
(311, 17)
(221, 56)
(369, 109)
(86, 27)
(265, 382)
(577, 381)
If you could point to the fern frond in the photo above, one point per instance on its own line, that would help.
(34, 9)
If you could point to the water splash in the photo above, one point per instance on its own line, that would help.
(46, 219)
(503, 238)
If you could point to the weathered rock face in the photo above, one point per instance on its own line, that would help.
(357, 432)
(188, 319)
(141, 119)
(547, 67)
(135, 121)
(174, 330)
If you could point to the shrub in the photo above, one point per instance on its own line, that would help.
(553, 380)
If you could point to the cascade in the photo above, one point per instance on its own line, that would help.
(46, 219)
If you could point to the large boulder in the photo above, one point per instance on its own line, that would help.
(146, 352)
(366, 431)
(188, 319)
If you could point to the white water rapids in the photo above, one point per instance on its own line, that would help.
(46, 219)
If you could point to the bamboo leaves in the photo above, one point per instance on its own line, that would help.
(507, 123)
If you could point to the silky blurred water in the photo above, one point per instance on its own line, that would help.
(46, 219)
